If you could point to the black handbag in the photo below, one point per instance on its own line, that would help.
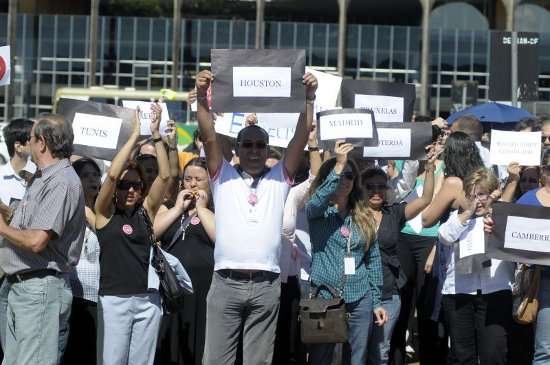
(171, 291)
(323, 320)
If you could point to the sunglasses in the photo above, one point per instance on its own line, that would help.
(544, 138)
(126, 185)
(258, 145)
(348, 175)
(376, 187)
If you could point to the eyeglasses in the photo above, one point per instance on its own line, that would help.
(258, 145)
(543, 139)
(480, 196)
(126, 185)
(376, 187)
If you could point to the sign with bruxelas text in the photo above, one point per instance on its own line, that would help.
(100, 130)
(521, 233)
(400, 141)
(391, 102)
(353, 125)
(510, 146)
(258, 81)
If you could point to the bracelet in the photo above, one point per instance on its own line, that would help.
(311, 148)
(172, 148)
(159, 139)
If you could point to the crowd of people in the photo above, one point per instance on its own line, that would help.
(256, 230)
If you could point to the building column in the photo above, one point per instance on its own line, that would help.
(176, 44)
(9, 95)
(260, 9)
(510, 6)
(425, 59)
(94, 14)
(342, 31)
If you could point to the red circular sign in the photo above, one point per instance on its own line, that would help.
(127, 229)
(3, 67)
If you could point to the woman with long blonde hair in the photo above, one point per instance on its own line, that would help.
(345, 253)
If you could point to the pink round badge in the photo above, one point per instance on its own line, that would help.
(127, 229)
(195, 221)
(344, 231)
(252, 199)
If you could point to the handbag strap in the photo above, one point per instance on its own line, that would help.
(181, 230)
(148, 225)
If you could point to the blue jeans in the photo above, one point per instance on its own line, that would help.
(542, 334)
(379, 343)
(359, 326)
(38, 321)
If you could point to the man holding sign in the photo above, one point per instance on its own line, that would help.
(249, 200)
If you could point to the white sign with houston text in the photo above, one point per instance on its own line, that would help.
(521, 147)
(5, 65)
(145, 115)
(391, 142)
(385, 108)
(262, 82)
(96, 130)
(231, 123)
(527, 234)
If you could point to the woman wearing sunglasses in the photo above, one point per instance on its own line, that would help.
(129, 311)
(390, 219)
(345, 254)
(187, 231)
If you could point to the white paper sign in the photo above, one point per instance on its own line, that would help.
(145, 115)
(342, 126)
(328, 88)
(5, 65)
(385, 108)
(96, 130)
(194, 106)
(521, 147)
(231, 123)
(392, 142)
(528, 234)
(262, 82)
(474, 242)
(416, 222)
(278, 120)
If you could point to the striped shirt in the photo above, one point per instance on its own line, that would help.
(54, 202)
(85, 279)
(329, 249)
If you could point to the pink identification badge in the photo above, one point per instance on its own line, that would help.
(127, 229)
(344, 231)
(195, 220)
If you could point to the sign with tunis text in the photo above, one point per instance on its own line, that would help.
(259, 80)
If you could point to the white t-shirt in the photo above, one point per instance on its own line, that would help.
(246, 241)
(12, 186)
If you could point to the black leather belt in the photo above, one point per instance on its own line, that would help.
(17, 278)
(247, 275)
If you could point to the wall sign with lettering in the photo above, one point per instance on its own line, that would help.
(405, 141)
(259, 80)
(390, 101)
(521, 234)
(354, 125)
(100, 130)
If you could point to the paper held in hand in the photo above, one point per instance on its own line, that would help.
(145, 115)
(354, 125)
(521, 147)
(474, 242)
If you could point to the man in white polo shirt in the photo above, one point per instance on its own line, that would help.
(249, 200)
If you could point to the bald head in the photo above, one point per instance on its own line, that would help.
(469, 125)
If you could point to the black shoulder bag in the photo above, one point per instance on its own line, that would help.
(171, 292)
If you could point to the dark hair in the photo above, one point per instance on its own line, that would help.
(545, 157)
(373, 172)
(470, 125)
(135, 166)
(436, 133)
(525, 123)
(57, 134)
(197, 161)
(274, 153)
(253, 126)
(461, 155)
(423, 118)
(79, 164)
(17, 130)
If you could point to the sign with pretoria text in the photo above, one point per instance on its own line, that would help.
(521, 233)
(268, 81)
(100, 130)
(390, 101)
(406, 141)
(354, 125)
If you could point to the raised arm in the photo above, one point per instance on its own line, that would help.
(509, 193)
(212, 146)
(451, 189)
(315, 160)
(206, 215)
(295, 150)
(419, 204)
(104, 203)
(155, 196)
